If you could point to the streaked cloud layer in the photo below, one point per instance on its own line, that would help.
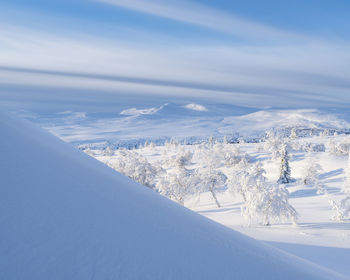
(201, 15)
(240, 61)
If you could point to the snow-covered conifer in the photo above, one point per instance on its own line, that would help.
(285, 172)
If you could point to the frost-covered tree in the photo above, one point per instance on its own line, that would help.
(209, 176)
(293, 133)
(152, 145)
(285, 172)
(108, 151)
(263, 201)
(311, 173)
(233, 155)
(211, 179)
(341, 148)
(177, 182)
(240, 179)
(346, 187)
(180, 158)
(342, 208)
(136, 167)
(325, 133)
(270, 204)
(272, 143)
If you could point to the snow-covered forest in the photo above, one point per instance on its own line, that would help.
(261, 176)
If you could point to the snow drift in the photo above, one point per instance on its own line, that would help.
(64, 215)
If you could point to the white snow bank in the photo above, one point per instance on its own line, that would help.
(196, 107)
(64, 215)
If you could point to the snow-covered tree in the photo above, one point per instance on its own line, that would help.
(272, 143)
(177, 182)
(180, 158)
(240, 179)
(209, 176)
(285, 172)
(325, 133)
(270, 204)
(293, 133)
(233, 155)
(263, 201)
(152, 145)
(136, 167)
(342, 208)
(311, 173)
(108, 151)
(339, 148)
(211, 179)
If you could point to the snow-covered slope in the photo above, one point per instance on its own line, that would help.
(63, 215)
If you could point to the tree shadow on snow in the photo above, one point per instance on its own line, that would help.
(332, 173)
(304, 193)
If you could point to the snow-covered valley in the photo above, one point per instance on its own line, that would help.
(67, 216)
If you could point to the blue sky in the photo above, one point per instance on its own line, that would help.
(313, 17)
(254, 53)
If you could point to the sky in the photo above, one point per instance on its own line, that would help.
(249, 53)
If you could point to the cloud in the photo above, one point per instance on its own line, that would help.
(205, 16)
(254, 76)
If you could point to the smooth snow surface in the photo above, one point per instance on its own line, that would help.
(64, 215)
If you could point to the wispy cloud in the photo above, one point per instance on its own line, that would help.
(264, 75)
(208, 17)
